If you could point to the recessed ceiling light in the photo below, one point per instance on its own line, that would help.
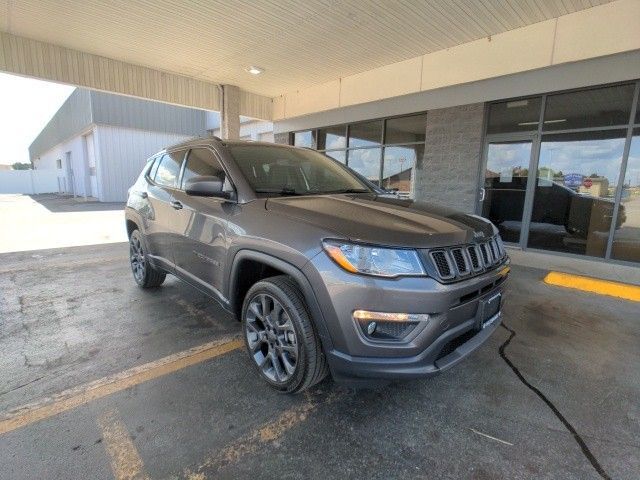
(253, 70)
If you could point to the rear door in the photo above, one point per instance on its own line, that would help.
(201, 224)
(162, 215)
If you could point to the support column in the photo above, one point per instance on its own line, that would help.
(230, 114)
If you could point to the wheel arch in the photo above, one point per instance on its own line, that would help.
(237, 289)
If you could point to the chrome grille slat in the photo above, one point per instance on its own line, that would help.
(463, 261)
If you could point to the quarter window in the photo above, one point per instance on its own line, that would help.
(169, 169)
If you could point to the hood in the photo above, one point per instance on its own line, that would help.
(384, 221)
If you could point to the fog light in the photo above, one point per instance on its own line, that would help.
(389, 317)
(371, 328)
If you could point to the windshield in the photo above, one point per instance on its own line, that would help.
(287, 171)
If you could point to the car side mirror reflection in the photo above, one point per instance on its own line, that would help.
(206, 186)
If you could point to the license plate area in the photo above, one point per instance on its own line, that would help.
(489, 309)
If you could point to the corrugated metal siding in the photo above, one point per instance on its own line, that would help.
(73, 116)
(122, 154)
(120, 111)
(84, 107)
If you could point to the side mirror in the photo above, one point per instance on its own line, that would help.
(209, 186)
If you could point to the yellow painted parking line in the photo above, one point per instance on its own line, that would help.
(125, 460)
(594, 285)
(77, 396)
(265, 434)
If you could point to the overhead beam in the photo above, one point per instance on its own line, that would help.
(31, 58)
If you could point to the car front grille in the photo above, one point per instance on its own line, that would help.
(464, 261)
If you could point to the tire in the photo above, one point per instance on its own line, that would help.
(268, 338)
(145, 275)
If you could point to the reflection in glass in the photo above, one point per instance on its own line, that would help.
(399, 163)
(626, 238)
(406, 129)
(598, 107)
(505, 186)
(575, 189)
(332, 138)
(303, 139)
(339, 155)
(514, 116)
(366, 161)
(365, 134)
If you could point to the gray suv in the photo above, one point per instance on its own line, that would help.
(326, 271)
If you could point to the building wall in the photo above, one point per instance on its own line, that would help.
(73, 116)
(448, 173)
(68, 183)
(120, 111)
(121, 153)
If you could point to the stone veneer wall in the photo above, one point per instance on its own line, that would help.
(448, 172)
(281, 138)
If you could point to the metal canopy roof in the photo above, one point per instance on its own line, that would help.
(297, 43)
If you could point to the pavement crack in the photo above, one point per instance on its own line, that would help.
(576, 436)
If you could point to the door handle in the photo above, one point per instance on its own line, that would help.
(177, 205)
(482, 194)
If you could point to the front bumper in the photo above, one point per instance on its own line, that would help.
(451, 334)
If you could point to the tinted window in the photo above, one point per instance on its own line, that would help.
(406, 129)
(514, 116)
(574, 193)
(598, 107)
(169, 169)
(284, 171)
(626, 240)
(202, 163)
(365, 134)
(366, 161)
(303, 139)
(332, 137)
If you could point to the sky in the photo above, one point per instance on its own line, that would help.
(26, 105)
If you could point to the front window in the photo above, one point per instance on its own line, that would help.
(288, 171)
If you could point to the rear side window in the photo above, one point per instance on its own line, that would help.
(168, 169)
(202, 163)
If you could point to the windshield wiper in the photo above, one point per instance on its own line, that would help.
(350, 190)
(282, 191)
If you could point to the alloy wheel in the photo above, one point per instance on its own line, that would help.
(271, 338)
(136, 255)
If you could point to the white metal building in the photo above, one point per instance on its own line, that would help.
(98, 142)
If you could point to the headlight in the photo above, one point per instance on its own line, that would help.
(379, 261)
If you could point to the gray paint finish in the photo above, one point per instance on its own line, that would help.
(86, 107)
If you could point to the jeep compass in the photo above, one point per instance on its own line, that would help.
(327, 272)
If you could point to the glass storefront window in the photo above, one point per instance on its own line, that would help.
(406, 129)
(366, 161)
(303, 139)
(399, 162)
(339, 155)
(626, 238)
(365, 134)
(514, 116)
(505, 186)
(575, 189)
(598, 107)
(332, 138)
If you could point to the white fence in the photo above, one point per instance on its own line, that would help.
(29, 181)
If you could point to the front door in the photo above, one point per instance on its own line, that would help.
(201, 224)
(504, 197)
